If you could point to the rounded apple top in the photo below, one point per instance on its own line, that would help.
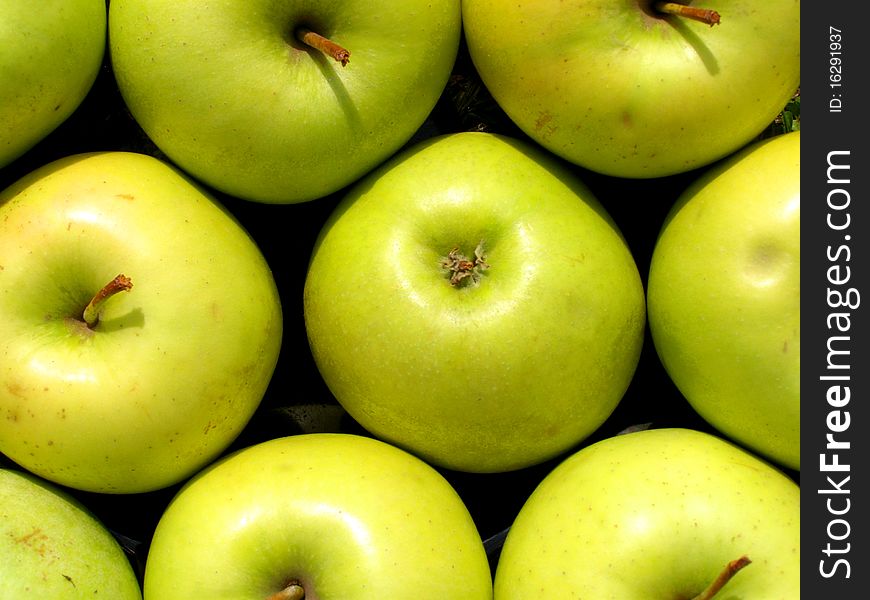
(248, 96)
(51, 57)
(656, 514)
(142, 382)
(724, 297)
(472, 301)
(625, 88)
(340, 515)
(51, 546)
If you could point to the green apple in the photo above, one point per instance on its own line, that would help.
(52, 546)
(724, 297)
(318, 516)
(231, 92)
(658, 514)
(141, 324)
(472, 302)
(625, 89)
(50, 59)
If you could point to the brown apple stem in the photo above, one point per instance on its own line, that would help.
(704, 15)
(724, 577)
(325, 45)
(91, 315)
(293, 591)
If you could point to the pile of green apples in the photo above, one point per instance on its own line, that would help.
(307, 300)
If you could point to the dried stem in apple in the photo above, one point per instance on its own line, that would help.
(91, 314)
(724, 577)
(325, 45)
(704, 15)
(293, 591)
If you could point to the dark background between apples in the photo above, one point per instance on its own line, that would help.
(286, 233)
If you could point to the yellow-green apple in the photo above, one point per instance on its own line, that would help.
(52, 546)
(281, 101)
(51, 55)
(724, 297)
(634, 88)
(660, 514)
(318, 516)
(471, 301)
(141, 324)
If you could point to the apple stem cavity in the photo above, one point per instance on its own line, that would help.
(325, 45)
(462, 268)
(91, 314)
(724, 577)
(704, 15)
(293, 591)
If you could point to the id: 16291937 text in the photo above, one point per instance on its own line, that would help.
(835, 70)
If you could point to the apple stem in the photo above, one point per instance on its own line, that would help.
(704, 15)
(325, 45)
(724, 577)
(293, 591)
(91, 315)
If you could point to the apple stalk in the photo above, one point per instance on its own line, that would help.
(704, 15)
(293, 591)
(91, 314)
(323, 44)
(724, 577)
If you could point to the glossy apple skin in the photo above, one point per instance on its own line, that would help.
(485, 378)
(655, 515)
(610, 87)
(724, 297)
(50, 59)
(175, 366)
(348, 516)
(226, 92)
(51, 546)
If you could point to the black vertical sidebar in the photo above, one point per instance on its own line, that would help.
(835, 370)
